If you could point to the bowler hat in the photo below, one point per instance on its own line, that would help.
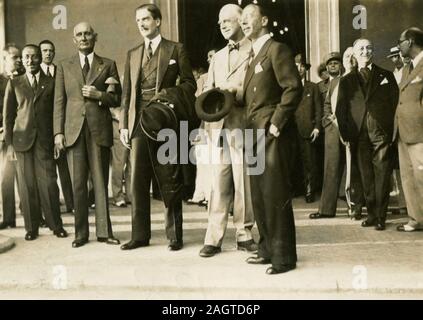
(333, 56)
(214, 105)
(156, 116)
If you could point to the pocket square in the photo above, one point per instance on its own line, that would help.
(417, 79)
(172, 62)
(384, 81)
(258, 69)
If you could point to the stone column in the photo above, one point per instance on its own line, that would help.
(322, 31)
(170, 23)
(2, 30)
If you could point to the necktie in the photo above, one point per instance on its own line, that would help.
(365, 75)
(86, 68)
(252, 56)
(149, 51)
(34, 83)
(233, 46)
(48, 72)
(411, 67)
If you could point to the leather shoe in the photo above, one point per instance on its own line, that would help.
(175, 245)
(281, 269)
(368, 223)
(134, 244)
(209, 251)
(249, 246)
(31, 236)
(406, 228)
(5, 225)
(61, 233)
(318, 215)
(111, 240)
(258, 260)
(380, 226)
(79, 243)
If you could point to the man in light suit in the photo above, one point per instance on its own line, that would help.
(12, 64)
(409, 127)
(150, 68)
(367, 101)
(83, 125)
(229, 179)
(28, 128)
(272, 91)
(48, 52)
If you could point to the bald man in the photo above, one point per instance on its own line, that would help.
(367, 102)
(87, 85)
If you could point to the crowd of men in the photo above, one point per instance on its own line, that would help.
(74, 117)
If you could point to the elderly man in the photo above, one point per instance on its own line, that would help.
(272, 91)
(229, 180)
(87, 85)
(409, 127)
(367, 101)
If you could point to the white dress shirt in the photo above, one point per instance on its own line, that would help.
(82, 59)
(30, 77)
(259, 43)
(50, 68)
(417, 59)
(154, 43)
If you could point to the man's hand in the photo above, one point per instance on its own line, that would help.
(59, 145)
(314, 135)
(124, 138)
(91, 92)
(274, 131)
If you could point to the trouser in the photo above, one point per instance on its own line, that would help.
(7, 185)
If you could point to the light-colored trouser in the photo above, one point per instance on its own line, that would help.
(229, 183)
(411, 166)
(203, 178)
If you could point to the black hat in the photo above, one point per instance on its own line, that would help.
(156, 116)
(214, 105)
(333, 56)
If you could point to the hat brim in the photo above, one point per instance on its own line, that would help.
(163, 108)
(393, 55)
(207, 105)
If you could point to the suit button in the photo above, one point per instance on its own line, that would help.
(255, 89)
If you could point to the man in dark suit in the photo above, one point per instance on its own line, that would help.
(367, 101)
(28, 129)
(409, 128)
(48, 52)
(272, 91)
(83, 124)
(151, 67)
(308, 119)
(12, 65)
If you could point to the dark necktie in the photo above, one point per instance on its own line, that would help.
(365, 76)
(86, 68)
(411, 67)
(34, 83)
(233, 46)
(149, 51)
(48, 72)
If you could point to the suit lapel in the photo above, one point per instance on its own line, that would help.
(376, 77)
(258, 59)
(412, 75)
(165, 53)
(76, 69)
(96, 68)
(41, 85)
(27, 87)
(242, 57)
(136, 68)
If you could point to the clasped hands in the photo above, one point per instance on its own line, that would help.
(91, 92)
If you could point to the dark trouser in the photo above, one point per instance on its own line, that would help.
(37, 176)
(375, 162)
(142, 175)
(7, 181)
(85, 157)
(333, 171)
(65, 181)
(271, 198)
(308, 158)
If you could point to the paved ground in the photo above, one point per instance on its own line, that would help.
(338, 259)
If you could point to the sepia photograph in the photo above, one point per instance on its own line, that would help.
(211, 150)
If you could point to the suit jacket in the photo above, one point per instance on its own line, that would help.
(28, 116)
(3, 83)
(380, 101)
(71, 108)
(220, 75)
(409, 115)
(272, 87)
(328, 113)
(173, 65)
(309, 112)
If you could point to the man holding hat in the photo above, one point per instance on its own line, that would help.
(308, 118)
(229, 180)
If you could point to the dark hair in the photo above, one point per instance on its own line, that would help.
(34, 46)
(47, 42)
(416, 35)
(10, 45)
(153, 9)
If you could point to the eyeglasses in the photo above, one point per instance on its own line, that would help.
(401, 41)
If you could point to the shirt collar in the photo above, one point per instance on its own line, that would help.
(31, 78)
(154, 42)
(82, 58)
(260, 43)
(417, 59)
(44, 67)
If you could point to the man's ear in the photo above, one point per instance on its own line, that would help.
(95, 37)
(159, 22)
(264, 21)
(74, 40)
